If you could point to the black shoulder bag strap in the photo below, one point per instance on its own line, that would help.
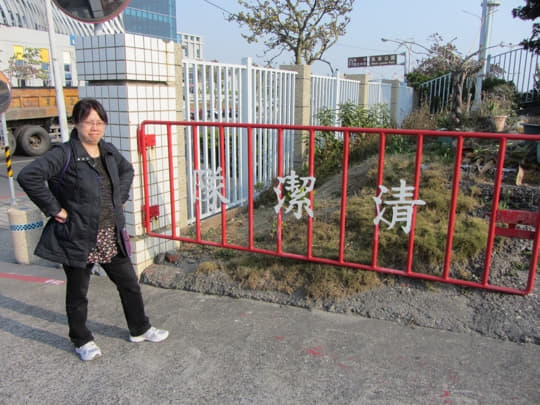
(63, 172)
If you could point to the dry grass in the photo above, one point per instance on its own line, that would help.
(263, 272)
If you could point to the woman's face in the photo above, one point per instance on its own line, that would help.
(91, 129)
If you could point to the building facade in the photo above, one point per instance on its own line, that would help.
(192, 45)
(156, 18)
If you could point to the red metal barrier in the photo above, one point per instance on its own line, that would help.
(512, 218)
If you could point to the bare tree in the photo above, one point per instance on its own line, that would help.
(444, 58)
(307, 28)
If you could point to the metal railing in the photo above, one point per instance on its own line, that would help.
(379, 93)
(437, 92)
(520, 67)
(162, 223)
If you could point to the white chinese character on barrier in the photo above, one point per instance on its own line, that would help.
(210, 183)
(296, 190)
(402, 208)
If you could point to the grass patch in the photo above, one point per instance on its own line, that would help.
(307, 279)
(317, 281)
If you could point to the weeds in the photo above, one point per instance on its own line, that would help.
(317, 281)
(329, 145)
(208, 267)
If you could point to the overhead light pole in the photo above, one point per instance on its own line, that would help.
(488, 8)
(58, 82)
(406, 55)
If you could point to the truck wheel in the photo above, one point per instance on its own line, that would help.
(34, 140)
(17, 134)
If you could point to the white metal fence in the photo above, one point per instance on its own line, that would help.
(379, 93)
(236, 93)
(245, 93)
(329, 92)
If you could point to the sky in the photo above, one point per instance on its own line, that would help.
(371, 20)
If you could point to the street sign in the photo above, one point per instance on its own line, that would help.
(360, 61)
(376, 60)
(383, 60)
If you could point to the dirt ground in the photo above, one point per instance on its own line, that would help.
(398, 299)
(411, 302)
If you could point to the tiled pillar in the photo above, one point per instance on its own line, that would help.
(363, 95)
(302, 111)
(135, 79)
(394, 100)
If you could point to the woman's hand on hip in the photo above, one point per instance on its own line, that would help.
(61, 216)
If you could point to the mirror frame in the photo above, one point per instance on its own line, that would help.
(5, 105)
(70, 13)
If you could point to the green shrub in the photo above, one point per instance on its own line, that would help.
(329, 144)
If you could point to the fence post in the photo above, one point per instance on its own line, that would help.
(302, 110)
(337, 90)
(182, 192)
(247, 115)
(363, 91)
(394, 99)
(247, 91)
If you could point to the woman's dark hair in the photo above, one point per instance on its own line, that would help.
(82, 109)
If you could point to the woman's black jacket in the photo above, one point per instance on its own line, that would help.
(79, 194)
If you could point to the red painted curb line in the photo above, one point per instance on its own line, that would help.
(33, 279)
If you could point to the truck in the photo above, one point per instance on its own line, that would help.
(32, 118)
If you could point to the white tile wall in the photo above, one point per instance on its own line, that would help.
(134, 57)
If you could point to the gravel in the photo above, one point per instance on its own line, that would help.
(403, 300)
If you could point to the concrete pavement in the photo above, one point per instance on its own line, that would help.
(233, 351)
(228, 351)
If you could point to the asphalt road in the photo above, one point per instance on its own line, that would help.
(17, 163)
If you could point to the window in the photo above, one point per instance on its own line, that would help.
(68, 76)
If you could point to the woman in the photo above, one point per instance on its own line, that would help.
(88, 183)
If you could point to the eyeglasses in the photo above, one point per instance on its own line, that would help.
(90, 124)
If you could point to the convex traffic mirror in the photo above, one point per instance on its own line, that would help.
(92, 11)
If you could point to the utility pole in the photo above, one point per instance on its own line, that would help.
(60, 103)
(488, 8)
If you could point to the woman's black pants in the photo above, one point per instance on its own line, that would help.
(121, 272)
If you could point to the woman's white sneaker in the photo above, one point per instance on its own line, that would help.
(88, 351)
(151, 335)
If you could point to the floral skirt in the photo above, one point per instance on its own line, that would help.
(106, 247)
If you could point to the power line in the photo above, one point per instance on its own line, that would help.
(217, 6)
